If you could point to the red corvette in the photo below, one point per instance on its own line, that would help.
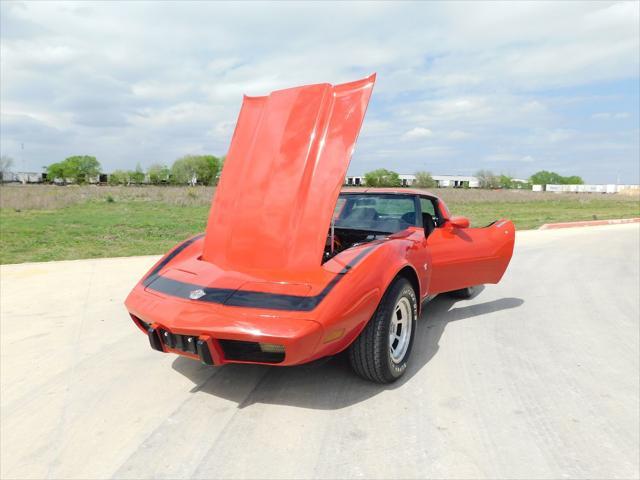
(291, 269)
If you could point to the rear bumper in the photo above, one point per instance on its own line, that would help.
(218, 335)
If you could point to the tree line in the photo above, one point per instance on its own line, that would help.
(186, 170)
(486, 179)
(205, 170)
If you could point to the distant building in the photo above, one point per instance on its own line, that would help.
(456, 181)
(41, 177)
(443, 181)
(23, 177)
(407, 180)
(602, 188)
(354, 181)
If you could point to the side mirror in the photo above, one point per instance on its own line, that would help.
(459, 222)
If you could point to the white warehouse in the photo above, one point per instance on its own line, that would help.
(443, 181)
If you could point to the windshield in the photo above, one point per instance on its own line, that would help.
(375, 212)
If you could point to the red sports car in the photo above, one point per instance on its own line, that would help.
(291, 269)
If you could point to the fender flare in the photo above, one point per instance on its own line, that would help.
(410, 274)
(405, 269)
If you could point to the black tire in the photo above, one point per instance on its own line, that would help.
(370, 354)
(463, 293)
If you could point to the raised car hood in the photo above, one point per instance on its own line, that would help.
(282, 176)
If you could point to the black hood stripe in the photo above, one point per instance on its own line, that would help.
(244, 298)
(154, 273)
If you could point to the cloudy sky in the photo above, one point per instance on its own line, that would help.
(513, 87)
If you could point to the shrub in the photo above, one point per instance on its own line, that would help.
(193, 169)
(543, 177)
(119, 177)
(425, 180)
(79, 168)
(487, 179)
(382, 178)
(136, 176)
(158, 174)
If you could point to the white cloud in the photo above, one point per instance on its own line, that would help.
(561, 135)
(501, 157)
(458, 135)
(509, 157)
(610, 115)
(417, 133)
(146, 82)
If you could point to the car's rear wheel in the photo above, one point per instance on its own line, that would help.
(382, 350)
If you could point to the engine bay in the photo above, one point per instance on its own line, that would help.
(344, 238)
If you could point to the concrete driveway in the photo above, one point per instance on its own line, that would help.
(537, 377)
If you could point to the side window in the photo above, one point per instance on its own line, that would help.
(428, 207)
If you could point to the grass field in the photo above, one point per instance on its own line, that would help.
(42, 223)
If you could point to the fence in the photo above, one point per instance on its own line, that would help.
(605, 188)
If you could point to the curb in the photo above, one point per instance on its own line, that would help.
(589, 223)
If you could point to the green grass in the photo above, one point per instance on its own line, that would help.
(529, 215)
(111, 223)
(91, 230)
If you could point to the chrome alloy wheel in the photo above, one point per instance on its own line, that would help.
(400, 329)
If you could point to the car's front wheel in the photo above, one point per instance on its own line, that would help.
(382, 350)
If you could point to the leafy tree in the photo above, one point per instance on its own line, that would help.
(119, 177)
(79, 168)
(573, 180)
(158, 174)
(505, 181)
(6, 162)
(220, 167)
(215, 165)
(382, 178)
(194, 169)
(543, 177)
(487, 179)
(425, 180)
(56, 170)
(520, 185)
(137, 176)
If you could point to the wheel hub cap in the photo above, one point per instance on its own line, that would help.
(400, 330)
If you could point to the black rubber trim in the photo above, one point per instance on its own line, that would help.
(247, 298)
(204, 353)
(154, 339)
(154, 273)
(248, 352)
